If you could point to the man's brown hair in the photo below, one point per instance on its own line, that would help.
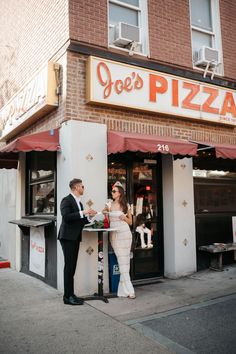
(74, 182)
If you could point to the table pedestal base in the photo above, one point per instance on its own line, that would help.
(216, 262)
(99, 297)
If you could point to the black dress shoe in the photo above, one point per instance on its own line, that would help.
(72, 301)
(78, 298)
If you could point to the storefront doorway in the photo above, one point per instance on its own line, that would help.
(140, 175)
(215, 204)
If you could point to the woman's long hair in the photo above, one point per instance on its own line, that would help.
(122, 199)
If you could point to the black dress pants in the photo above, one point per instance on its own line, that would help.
(70, 250)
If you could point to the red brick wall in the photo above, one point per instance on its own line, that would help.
(45, 35)
(228, 33)
(169, 32)
(31, 32)
(89, 21)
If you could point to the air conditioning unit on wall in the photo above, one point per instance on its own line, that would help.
(207, 56)
(126, 34)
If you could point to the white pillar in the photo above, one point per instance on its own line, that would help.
(83, 155)
(179, 218)
(20, 206)
(8, 211)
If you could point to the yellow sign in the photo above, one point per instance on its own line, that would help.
(34, 100)
(121, 85)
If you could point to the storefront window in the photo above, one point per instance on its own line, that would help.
(41, 168)
(116, 172)
(215, 191)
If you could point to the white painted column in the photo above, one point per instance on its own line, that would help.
(83, 155)
(8, 210)
(179, 218)
(20, 205)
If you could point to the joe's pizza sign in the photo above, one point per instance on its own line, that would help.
(118, 84)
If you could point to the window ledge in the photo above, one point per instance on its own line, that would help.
(40, 216)
(30, 222)
(126, 50)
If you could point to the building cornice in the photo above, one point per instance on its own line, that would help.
(78, 47)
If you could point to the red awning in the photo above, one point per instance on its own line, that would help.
(44, 141)
(225, 151)
(121, 142)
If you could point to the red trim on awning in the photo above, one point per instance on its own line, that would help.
(44, 141)
(121, 142)
(225, 151)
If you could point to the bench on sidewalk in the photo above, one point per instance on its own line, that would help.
(216, 250)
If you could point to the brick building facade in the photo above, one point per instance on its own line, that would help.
(68, 33)
(85, 23)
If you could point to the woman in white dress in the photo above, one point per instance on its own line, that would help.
(120, 218)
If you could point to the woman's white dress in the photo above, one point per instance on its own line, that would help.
(121, 243)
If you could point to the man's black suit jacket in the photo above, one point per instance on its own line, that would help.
(72, 223)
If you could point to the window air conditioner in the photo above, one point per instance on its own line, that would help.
(126, 34)
(207, 56)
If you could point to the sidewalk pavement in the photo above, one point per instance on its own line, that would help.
(170, 294)
(33, 318)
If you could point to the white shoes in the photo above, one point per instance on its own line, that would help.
(150, 246)
(147, 246)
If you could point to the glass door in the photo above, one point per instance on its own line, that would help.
(147, 230)
(140, 175)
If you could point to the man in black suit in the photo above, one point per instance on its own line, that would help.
(74, 217)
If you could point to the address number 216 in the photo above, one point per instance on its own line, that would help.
(163, 147)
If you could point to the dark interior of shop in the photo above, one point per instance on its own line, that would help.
(215, 203)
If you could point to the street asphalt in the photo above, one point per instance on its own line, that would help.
(207, 327)
(194, 314)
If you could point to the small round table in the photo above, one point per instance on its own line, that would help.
(99, 295)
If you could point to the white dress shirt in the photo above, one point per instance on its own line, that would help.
(78, 201)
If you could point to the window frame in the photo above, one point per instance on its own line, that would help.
(211, 183)
(32, 182)
(142, 19)
(215, 33)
